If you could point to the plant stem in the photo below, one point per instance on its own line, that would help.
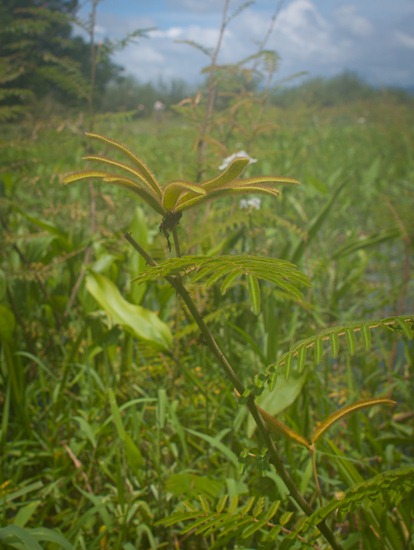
(212, 344)
(211, 94)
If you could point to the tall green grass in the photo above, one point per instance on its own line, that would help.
(103, 434)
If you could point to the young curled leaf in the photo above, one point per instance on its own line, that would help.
(228, 175)
(265, 181)
(337, 415)
(141, 167)
(280, 428)
(118, 181)
(173, 191)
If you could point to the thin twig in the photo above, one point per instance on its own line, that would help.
(211, 95)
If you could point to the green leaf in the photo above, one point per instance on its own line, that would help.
(275, 401)
(142, 323)
(279, 272)
(132, 453)
(366, 336)
(7, 324)
(301, 358)
(334, 338)
(193, 485)
(18, 537)
(254, 293)
(389, 487)
(318, 350)
(317, 223)
(3, 285)
(350, 341)
(333, 335)
(216, 443)
(15, 536)
(44, 534)
(26, 512)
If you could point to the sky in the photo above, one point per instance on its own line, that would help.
(372, 38)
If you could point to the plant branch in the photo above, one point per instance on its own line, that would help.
(212, 344)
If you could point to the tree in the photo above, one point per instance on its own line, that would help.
(39, 57)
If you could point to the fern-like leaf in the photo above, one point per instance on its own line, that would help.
(231, 520)
(334, 337)
(389, 487)
(230, 268)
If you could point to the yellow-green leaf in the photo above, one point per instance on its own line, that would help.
(279, 427)
(142, 167)
(119, 181)
(266, 180)
(337, 415)
(184, 202)
(173, 191)
(228, 175)
(122, 166)
(232, 172)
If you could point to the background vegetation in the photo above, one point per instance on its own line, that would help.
(108, 427)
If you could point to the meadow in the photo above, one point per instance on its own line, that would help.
(118, 428)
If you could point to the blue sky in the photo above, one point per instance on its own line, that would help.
(374, 38)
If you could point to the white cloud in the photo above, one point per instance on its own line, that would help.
(302, 35)
(404, 39)
(310, 35)
(349, 20)
(175, 33)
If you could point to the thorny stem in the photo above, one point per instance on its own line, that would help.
(210, 341)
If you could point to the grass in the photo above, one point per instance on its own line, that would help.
(102, 435)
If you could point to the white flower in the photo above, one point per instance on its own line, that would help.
(253, 204)
(239, 154)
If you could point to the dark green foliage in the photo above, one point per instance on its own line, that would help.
(40, 59)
